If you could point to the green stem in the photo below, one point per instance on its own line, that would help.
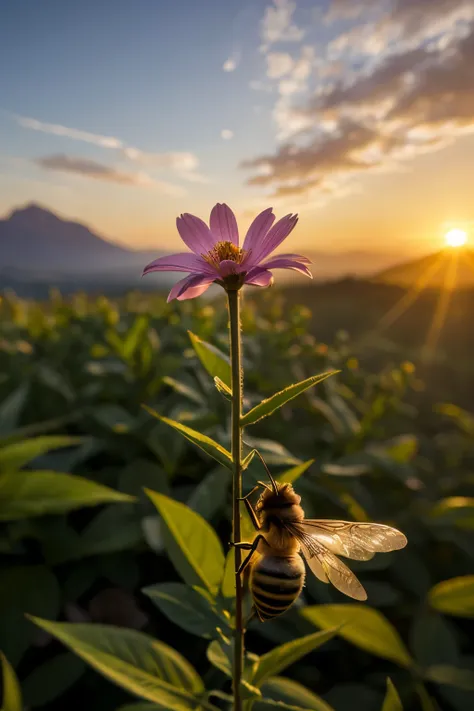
(235, 356)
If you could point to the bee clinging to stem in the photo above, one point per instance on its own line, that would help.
(283, 537)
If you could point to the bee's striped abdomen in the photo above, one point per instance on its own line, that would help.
(275, 583)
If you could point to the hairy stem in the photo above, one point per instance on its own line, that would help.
(235, 355)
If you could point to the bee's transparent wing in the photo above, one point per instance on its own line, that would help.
(359, 541)
(328, 568)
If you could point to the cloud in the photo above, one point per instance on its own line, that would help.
(412, 97)
(227, 134)
(278, 64)
(99, 171)
(73, 133)
(232, 62)
(277, 24)
(184, 164)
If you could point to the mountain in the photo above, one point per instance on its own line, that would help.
(450, 268)
(35, 239)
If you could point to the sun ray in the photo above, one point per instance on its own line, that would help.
(442, 308)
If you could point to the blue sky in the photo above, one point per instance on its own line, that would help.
(123, 114)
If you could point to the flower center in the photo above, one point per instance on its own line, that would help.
(224, 251)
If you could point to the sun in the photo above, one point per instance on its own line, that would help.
(455, 238)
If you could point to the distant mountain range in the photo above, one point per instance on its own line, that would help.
(38, 247)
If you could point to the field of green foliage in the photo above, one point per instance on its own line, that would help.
(81, 542)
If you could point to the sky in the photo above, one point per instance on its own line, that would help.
(357, 115)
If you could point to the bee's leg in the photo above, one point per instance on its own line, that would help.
(250, 508)
(251, 548)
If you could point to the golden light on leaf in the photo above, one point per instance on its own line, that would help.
(455, 238)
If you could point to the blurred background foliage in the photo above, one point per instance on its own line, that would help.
(79, 540)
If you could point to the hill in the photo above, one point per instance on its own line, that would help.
(450, 268)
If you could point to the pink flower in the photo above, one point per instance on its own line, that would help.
(217, 257)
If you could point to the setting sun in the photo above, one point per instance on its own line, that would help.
(455, 238)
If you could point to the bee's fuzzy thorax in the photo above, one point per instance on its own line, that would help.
(278, 508)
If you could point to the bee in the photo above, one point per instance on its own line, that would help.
(284, 537)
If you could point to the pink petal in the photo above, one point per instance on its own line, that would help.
(275, 236)
(258, 229)
(184, 262)
(224, 225)
(284, 263)
(292, 257)
(259, 277)
(191, 286)
(195, 233)
(228, 266)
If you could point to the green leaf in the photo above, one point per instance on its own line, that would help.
(24, 589)
(268, 406)
(281, 657)
(454, 596)
(11, 700)
(52, 679)
(192, 544)
(186, 607)
(223, 388)
(454, 510)
(214, 361)
(432, 640)
(25, 493)
(15, 456)
(291, 475)
(133, 660)
(219, 658)
(392, 700)
(282, 690)
(11, 408)
(205, 443)
(210, 495)
(184, 390)
(446, 674)
(363, 626)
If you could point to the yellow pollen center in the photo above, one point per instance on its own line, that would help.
(224, 251)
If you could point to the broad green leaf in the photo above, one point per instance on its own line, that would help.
(192, 544)
(274, 662)
(16, 455)
(214, 361)
(186, 607)
(446, 674)
(25, 493)
(11, 699)
(454, 596)
(205, 443)
(52, 678)
(219, 658)
(291, 475)
(392, 700)
(363, 626)
(133, 660)
(268, 406)
(282, 690)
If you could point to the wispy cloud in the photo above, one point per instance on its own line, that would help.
(396, 85)
(183, 164)
(100, 171)
(278, 25)
(227, 134)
